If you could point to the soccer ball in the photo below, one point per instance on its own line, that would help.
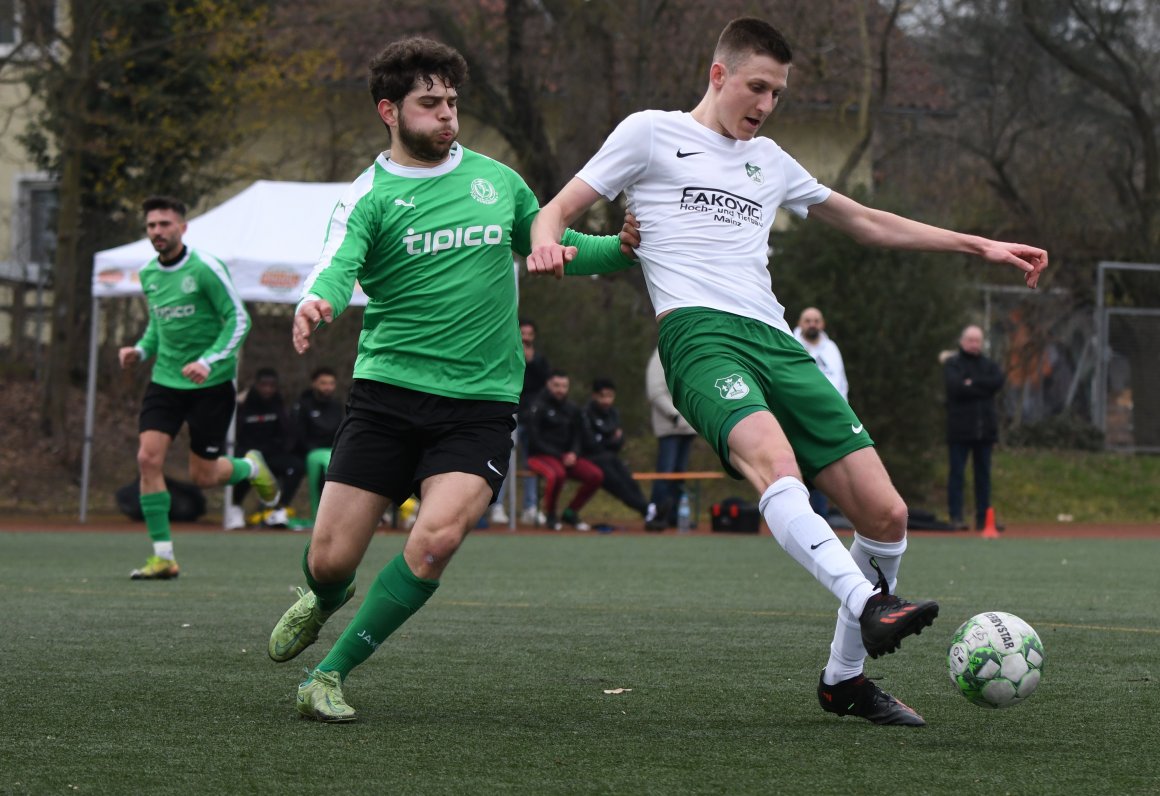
(995, 659)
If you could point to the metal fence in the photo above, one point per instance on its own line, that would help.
(1043, 341)
(1126, 391)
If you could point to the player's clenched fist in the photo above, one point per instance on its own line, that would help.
(550, 259)
(129, 356)
(311, 314)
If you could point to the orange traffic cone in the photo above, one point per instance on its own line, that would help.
(989, 529)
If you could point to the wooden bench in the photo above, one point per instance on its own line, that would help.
(694, 476)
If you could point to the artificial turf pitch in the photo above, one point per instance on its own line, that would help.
(498, 685)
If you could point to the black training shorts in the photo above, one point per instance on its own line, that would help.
(393, 438)
(208, 410)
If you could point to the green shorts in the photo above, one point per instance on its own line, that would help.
(722, 367)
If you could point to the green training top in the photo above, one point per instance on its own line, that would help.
(195, 315)
(432, 250)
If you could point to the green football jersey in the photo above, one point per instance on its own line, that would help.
(195, 314)
(432, 250)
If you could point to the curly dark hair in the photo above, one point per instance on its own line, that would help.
(395, 70)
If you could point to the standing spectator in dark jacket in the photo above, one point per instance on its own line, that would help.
(555, 434)
(603, 439)
(972, 425)
(264, 425)
(317, 416)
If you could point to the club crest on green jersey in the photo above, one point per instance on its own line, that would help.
(189, 285)
(484, 192)
(732, 387)
(754, 173)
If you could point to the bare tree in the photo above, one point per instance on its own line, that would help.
(133, 98)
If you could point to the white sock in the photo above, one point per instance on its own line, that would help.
(164, 550)
(811, 542)
(847, 654)
(887, 554)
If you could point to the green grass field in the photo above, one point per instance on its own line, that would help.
(497, 686)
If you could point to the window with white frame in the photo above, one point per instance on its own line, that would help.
(38, 200)
(26, 21)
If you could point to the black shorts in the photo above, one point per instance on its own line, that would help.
(393, 438)
(208, 410)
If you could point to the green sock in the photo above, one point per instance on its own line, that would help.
(316, 463)
(241, 472)
(155, 507)
(394, 596)
(330, 595)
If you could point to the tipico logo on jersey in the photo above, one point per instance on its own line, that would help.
(457, 238)
(754, 173)
(189, 285)
(171, 313)
(484, 192)
(732, 387)
(725, 207)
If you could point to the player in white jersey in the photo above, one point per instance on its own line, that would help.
(705, 191)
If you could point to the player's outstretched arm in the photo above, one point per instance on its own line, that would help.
(878, 228)
(548, 255)
(311, 313)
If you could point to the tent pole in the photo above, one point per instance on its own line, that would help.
(90, 410)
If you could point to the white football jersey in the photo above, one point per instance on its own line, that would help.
(705, 204)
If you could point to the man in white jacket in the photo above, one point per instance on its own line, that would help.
(674, 440)
(811, 333)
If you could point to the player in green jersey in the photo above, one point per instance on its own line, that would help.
(706, 188)
(428, 231)
(196, 325)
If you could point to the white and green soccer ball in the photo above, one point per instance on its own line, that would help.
(995, 659)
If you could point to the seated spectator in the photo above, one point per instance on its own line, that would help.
(603, 439)
(555, 431)
(263, 424)
(317, 416)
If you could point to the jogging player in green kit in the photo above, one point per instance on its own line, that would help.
(705, 189)
(428, 230)
(196, 325)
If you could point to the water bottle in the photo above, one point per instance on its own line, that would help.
(684, 514)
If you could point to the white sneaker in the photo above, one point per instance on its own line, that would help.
(235, 518)
(277, 518)
(582, 526)
(650, 513)
(498, 515)
(533, 516)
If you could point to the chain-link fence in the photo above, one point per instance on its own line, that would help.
(1126, 395)
(1043, 342)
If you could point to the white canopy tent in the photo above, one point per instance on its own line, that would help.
(269, 236)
